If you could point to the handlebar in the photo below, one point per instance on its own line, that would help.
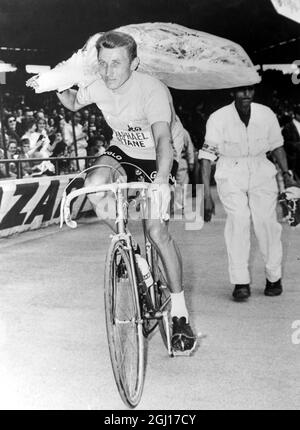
(65, 213)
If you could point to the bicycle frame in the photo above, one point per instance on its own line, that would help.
(147, 295)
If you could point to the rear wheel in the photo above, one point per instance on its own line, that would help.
(123, 324)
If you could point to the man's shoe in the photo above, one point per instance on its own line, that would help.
(273, 288)
(183, 339)
(241, 292)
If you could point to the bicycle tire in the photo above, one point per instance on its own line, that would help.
(123, 324)
(161, 292)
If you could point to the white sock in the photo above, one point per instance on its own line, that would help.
(178, 308)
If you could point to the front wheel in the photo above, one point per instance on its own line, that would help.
(123, 324)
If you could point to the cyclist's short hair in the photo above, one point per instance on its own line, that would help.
(117, 39)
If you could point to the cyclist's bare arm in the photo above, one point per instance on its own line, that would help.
(69, 99)
(164, 149)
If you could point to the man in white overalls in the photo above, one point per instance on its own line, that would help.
(239, 135)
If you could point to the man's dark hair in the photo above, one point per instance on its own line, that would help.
(24, 141)
(117, 39)
(29, 123)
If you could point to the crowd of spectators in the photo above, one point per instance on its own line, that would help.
(43, 135)
(51, 132)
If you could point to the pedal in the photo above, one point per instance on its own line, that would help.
(187, 353)
(174, 352)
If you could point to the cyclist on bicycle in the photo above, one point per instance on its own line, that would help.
(146, 133)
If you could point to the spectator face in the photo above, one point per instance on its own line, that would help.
(92, 119)
(99, 144)
(62, 112)
(85, 114)
(19, 112)
(58, 136)
(41, 125)
(115, 66)
(40, 115)
(77, 118)
(12, 123)
(62, 123)
(12, 148)
(28, 114)
(26, 147)
(98, 120)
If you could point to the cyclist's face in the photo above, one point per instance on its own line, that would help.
(115, 66)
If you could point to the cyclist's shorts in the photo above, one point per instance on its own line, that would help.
(137, 169)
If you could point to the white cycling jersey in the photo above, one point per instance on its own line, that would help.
(131, 110)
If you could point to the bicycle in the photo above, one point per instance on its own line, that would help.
(132, 309)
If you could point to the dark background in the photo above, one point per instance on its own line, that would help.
(49, 31)
(58, 27)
